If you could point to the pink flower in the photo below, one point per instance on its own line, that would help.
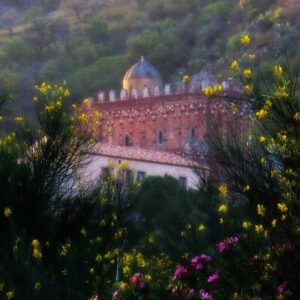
(255, 257)
(116, 294)
(222, 246)
(280, 289)
(137, 281)
(204, 295)
(97, 297)
(179, 272)
(136, 278)
(176, 291)
(213, 277)
(191, 291)
(198, 262)
(205, 258)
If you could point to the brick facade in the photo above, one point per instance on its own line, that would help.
(172, 123)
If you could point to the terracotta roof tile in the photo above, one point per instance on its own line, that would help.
(139, 154)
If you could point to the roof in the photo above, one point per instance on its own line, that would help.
(142, 69)
(139, 154)
(199, 78)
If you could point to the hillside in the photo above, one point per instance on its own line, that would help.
(91, 43)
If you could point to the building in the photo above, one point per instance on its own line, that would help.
(148, 116)
(142, 163)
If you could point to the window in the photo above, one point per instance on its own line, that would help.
(193, 133)
(182, 182)
(126, 140)
(160, 138)
(128, 175)
(140, 176)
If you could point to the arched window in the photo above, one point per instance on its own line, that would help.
(126, 140)
(160, 138)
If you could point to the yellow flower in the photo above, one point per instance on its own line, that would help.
(122, 166)
(92, 271)
(67, 93)
(148, 277)
(247, 73)
(268, 104)
(208, 91)
(248, 88)
(282, 207)
(246, 188)
(65, 248)
(98, 258)
(259, 228)
(234, 65)
(252, 56)
(140, 260)
(223, 208)
(246, 224)
(261, 211)
(35, 243)
(245, 39)
(35, 99)
(221, 221)
(282, 136)
(186, 78)
(151, 239)
(65, 272)
(188, 226)
(262, 139)
(297, 116)
(86, 101)
(278, 70)
(7, 212)
(126, 271)
(83, 232)
(283, 217)
(223, 190)
(37, 286)
(123, 286)
(19, 119)
(282, 92)
(261, 113)
(10, 295)
(274, 222)
(37, 253)
(201, 227)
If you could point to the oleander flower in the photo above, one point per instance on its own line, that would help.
(204, 295)
(116, 294)
(176, 291)
(222, 246)
(180, 271)
(213, 277)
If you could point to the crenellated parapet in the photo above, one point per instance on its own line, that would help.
(228, 86)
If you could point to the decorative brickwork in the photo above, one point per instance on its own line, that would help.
(173, 123)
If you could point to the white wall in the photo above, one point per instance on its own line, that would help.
(93, 169)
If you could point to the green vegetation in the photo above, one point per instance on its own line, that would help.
(65, 237)
(92, 44)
